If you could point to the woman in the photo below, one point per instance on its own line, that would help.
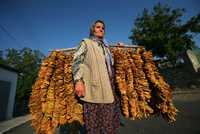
(94, 82)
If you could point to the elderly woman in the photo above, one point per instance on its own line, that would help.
(94, 82)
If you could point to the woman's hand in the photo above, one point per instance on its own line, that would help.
(120, 44)
(80, 88)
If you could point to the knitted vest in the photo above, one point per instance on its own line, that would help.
(95, 75)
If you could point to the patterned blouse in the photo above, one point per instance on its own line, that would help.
(79, 56)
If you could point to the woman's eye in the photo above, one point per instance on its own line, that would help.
(100, 27)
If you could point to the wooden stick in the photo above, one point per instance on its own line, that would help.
(122, 46)
(127, 46)
(63, 49)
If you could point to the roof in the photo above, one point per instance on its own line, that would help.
(9, 68)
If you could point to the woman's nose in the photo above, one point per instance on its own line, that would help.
(101, 29)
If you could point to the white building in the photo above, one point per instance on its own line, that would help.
(8, 83)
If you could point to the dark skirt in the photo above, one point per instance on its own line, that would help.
(102, 118)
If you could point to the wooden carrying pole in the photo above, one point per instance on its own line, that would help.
(121, 46)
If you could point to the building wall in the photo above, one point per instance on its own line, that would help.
(11, 77)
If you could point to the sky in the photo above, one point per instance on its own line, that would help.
(55, 24)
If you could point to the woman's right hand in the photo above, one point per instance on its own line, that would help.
(80, 88)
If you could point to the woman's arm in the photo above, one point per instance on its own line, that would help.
(78, 59)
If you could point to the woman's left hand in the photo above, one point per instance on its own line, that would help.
(120, 44)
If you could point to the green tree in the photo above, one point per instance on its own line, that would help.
(2, 61)
(163, 31)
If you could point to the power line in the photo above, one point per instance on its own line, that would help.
(11, 36)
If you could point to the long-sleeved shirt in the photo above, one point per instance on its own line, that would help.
(77, 60)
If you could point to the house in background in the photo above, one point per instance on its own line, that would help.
(8, 83)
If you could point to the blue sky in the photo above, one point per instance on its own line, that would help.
(52, 24)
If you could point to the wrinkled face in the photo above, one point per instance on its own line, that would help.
(99, 30)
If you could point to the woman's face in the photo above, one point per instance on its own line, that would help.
(99, 30)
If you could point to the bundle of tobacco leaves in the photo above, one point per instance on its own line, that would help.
(143, 91)
(53, 102)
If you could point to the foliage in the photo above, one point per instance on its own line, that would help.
(163, 31)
